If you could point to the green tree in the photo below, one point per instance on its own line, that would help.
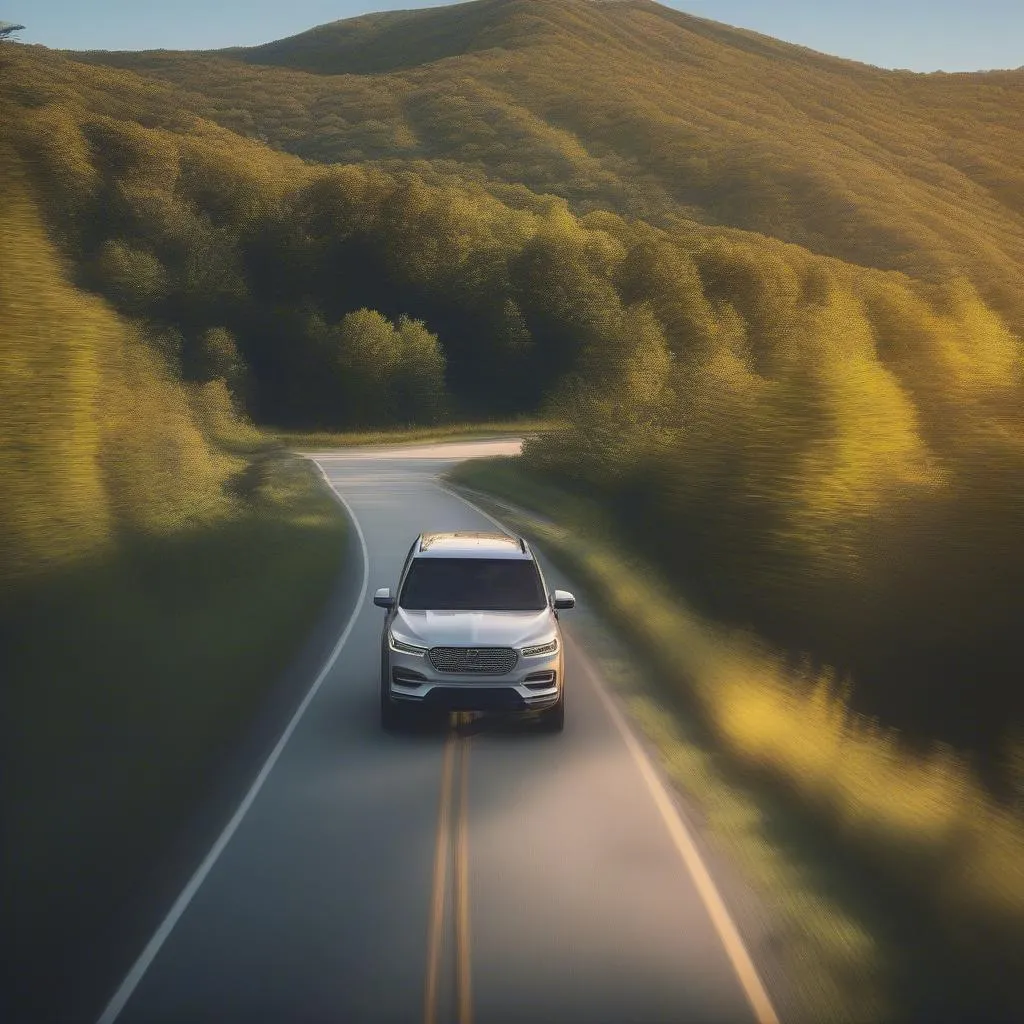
(388, 374)
(133, 278)
(218, 358)
(418, 382)
(367, 355)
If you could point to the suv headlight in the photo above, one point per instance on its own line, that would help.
(549, 648)
(402, 647)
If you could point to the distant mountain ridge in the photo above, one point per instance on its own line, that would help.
(383, 42)
(652, 113)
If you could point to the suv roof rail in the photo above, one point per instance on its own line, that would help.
(522, 544)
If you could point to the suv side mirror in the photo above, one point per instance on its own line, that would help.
(562, 599)
(383, 599)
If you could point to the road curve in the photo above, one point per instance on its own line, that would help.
(464, 874)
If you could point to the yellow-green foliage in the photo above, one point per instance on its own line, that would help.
(830, 453)
(311, 441)
(920, 817)
(153, 588)
(55, 503)
(96, 436)
(652, 112)
(390, 372)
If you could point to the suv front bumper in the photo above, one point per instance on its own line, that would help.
(533, 685)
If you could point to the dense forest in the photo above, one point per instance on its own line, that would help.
(777, 297)
(651, 113)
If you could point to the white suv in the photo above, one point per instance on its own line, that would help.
(472, 628)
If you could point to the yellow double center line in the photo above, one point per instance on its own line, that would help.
(451, 849)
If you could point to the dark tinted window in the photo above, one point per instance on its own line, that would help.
(473, 584)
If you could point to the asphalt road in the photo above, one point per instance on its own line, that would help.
(457, 873)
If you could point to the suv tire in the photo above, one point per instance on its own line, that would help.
(390, 714)
(390, 718)
(553, 720)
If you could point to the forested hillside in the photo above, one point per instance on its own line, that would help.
(100, 439)
(834, 445)
(652, 113)
(159, 568)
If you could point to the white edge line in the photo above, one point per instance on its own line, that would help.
(728, 933)
(149, 954)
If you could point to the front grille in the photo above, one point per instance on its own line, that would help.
(484, 661)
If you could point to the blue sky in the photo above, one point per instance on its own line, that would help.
(923, 35)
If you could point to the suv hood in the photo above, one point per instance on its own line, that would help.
(474, 629)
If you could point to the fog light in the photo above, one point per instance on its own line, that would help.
(407, 677)
(539, 681)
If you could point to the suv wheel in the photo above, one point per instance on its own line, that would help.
(553, 720)
(390, 714)
(390, 718)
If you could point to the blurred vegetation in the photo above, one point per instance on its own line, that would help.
(313, 440)
(838, 469)
(101, 440)
(895, 876)
(160, 565)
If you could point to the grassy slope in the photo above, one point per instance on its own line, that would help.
(896, 878)
(621, 106)
(130, 676)
(160, 564)
(305, 440)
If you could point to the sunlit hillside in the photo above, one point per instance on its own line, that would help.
(159, 566)
(642, 109)
(844, 440)
(99, 439)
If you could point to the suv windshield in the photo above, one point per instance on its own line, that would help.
(473, 584)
